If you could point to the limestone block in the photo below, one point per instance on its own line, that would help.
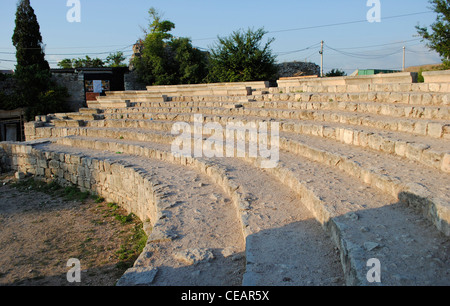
(414, 151)
(347, 136)
(446, 131)
(421, 128)
(400, 147)
(73, 159)
(53, 164)
(434, 87)
(375, 142)
(427, 99)
(435, 129)
(415, 98)
(387, 146)
(432, 158)
(372, 96)
(446, 163)
(405, 126)
(40, 171)
(395, 97)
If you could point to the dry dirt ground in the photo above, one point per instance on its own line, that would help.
(40, 232)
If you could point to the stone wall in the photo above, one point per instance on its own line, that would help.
(441, 76)
(74, 82)
(116, 182)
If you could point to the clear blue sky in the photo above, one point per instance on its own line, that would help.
(112, 25)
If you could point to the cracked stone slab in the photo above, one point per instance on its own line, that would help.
(140, 276)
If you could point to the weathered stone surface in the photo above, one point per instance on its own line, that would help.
(194, 256)
(139, 276)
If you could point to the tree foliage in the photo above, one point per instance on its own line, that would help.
(439, 36)
(27, 38)
(35, 89)
(113, 60)
(242, 57)
(335, 72)
(167, 60)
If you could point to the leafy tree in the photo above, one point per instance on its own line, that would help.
(113, 60)
(87, 62)
(191, 63)
(242, 57)
(65, 63)
(116, 60)
(439, 36)
(167, 60)
(335, 72)
(35, 89)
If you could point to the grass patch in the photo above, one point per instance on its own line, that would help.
(134, 242)
(69, 193)
(133, 246)
(99, 200)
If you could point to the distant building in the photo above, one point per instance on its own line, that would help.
(372, 71)
(85, 84)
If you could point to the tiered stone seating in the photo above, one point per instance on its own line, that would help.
(162, 93)
(363, 173)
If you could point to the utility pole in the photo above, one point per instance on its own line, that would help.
(404, 58)
(321, 59)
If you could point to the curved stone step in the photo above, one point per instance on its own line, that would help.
(431, 128)
(186, 220)
(364, 223)
(393, 110)
(408, 182)
(414, 98)
(425, 150)
(390, 87)
(269, 211)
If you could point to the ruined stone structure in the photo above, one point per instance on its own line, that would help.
(363, 174)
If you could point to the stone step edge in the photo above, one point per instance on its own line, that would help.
(434, 129)
(434, 209)
(381, 109)
(414, 151)
(351, 255)
(412, 194)
(14, 150)
(435, 87)
(50, 165)
(438, 99)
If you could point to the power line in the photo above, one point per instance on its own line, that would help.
(381, 45)
(68, 54)
(297, 51)
(331, 24)
(364, 55)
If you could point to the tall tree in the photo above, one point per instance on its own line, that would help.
(242, 57)
(439, 36)
(166, 60)
(27, 38)
(35, 89)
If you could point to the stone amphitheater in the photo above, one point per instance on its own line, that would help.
(363, 174)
